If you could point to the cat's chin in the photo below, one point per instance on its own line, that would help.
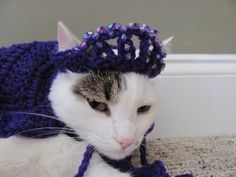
(116, 155)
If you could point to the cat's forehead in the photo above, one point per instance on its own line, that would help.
(101, 86)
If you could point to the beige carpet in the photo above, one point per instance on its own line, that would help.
(203, 157)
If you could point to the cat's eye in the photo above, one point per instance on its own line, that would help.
(99, 106)
(143, 109)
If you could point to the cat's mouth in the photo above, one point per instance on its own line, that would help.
(117, 153)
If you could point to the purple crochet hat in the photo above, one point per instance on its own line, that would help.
(96, 51)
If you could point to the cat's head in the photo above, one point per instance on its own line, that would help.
(110, 110)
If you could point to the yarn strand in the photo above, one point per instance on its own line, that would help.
(85, 162)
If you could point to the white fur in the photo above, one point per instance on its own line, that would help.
(52, 157)
(60, 156)
(99, 129)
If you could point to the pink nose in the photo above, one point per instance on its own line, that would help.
(124, 142)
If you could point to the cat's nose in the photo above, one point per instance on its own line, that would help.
(124, 142)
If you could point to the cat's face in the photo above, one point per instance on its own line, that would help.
(110, 110)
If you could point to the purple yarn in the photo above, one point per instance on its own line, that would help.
(156, 169)
(26, 75)
(85, 162)
(142, 149)
(95, 52)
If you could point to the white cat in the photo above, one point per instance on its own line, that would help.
(114, 123)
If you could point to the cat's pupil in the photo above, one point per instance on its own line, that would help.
(143, 109)
(99, 106)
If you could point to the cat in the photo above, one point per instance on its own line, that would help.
(108, 109)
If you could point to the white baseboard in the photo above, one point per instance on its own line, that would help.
(200, 64)
(196, 96)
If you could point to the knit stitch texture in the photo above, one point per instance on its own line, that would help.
(28, 70)
(26, 74)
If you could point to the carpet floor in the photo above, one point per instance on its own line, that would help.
(201, 156)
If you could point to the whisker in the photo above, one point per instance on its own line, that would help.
(30, 113)
(131, 171)
(38, 114)
(44, 128)
(43, 134)
(41, 106)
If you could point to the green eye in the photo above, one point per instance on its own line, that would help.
(143, 109)
(99, 106)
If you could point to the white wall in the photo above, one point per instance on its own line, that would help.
(197, 96)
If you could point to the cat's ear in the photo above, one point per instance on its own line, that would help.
(66, 40)
(167, 43)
